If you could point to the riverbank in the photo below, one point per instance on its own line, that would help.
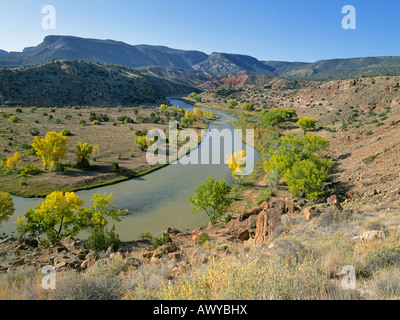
(115, 138)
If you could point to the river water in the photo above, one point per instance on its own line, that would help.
(160, 199)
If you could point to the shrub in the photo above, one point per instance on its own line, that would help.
(146, 235)
(386, 284)
(186, 122)
(89, 286)
(248, 106)
(158, 242)
(66, 133)
(375, 225)
(101, 239)
(370, 158)
(195, 97)
(277, 116)
(34, 132)
(203, 238)
(115, 167)
(14, 119)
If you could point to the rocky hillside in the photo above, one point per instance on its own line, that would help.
(184, 76)
(224, 64)
(66, 82)
(338, 68)
(360, 117)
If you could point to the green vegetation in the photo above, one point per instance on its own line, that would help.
(212, 197)
(277, 116)
(6, 207)
(297, 161)
(62, 214)
(248, 107)
(158, 242)
(195, 97)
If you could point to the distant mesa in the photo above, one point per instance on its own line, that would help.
(217, 64)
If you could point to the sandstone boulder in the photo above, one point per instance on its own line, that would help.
(268, 221)
(242, 230)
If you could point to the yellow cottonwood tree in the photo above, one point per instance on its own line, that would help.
(51, 149)
(55, 217)
(13, 162)
(237, 162)
(83, 154)
(6, 207)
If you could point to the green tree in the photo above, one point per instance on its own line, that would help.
(96, 219)
(277, 116)
(306, 178)
(195, 97)
(100, 213)
(6, 207)
(315, 143)
(232, 103)
(248, 106)
(212, 197)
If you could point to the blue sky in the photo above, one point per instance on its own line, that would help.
(289, 30)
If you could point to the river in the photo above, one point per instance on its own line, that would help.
(159, 199)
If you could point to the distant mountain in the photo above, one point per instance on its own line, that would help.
(184, 76)
(163, 60)
(337, 68)
(106, 51)
(71, 82)
(224, 64)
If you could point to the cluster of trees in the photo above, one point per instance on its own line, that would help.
(299, 163)
(195, 97)
(63, 214)
(277, 116)
(52, 149)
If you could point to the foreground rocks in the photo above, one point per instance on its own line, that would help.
(259, 223)
(69, 254)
